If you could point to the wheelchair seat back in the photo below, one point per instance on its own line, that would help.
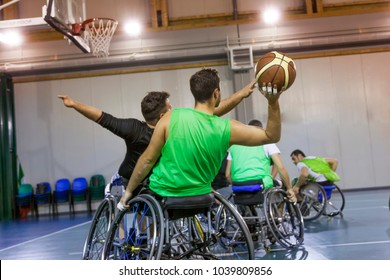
(328, 190)
(117, 190)
(186, 206)
(248, 192)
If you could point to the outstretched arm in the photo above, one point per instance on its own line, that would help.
(232, 101)
(333, 163)
(228, 171)
(302, 179)
(278, 164)
(248, 135)
(90, 112)
(274, 171)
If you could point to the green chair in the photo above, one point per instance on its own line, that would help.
(97, 184)
(24, 199)
(42, 196)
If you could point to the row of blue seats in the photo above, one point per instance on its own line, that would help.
(65, 191)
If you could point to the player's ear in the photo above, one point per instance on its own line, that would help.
(216, 92)
(161, 115)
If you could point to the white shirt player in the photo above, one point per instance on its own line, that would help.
(269, 150)
(318, 177)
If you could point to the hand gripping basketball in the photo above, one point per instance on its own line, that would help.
(277, 69)
(269, 89)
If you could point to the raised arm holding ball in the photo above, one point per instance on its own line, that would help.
(190, 144)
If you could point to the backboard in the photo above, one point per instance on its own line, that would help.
(63, 14)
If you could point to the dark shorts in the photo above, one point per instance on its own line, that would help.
(325, 183)
(121, 181)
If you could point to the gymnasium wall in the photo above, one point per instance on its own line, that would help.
(337, 107)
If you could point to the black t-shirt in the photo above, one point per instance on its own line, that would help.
(137, 135)
(220, 181)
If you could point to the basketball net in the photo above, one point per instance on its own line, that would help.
(98, 33)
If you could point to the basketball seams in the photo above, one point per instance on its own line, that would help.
(264, 68)
(270, 65)
(277, 56)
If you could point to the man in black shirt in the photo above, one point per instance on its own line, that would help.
(136, 133)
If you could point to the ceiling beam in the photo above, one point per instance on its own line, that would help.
(159, 13)
(10, 9)
(161, 21)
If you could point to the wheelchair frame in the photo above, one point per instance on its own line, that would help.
(101, 222)
(335, 201)
(317, 201)
(171, 232)
(273, 219)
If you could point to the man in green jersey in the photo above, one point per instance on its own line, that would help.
(253, 165)
(317, 169)
(190, 144)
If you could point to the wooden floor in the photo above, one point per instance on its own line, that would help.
(363, 233)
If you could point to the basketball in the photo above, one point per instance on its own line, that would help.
(276, 68)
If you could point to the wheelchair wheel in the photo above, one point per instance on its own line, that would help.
(232, 239)
(255, 221)
(335, 201)
(159, 224)
(101, 222)
(187, 239)
(313, 201)
(283, 218)
(136, 233)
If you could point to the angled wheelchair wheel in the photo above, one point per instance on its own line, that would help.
(159, 224)
(187, 239)
(335, 201)
(284, 219)
(136, 233)
(101, 222)
(232, 239)
(313, 201)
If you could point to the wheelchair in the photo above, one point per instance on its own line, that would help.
(178, 228)
(101, 222)
(335, 201)
(320, 200)
(269, 215)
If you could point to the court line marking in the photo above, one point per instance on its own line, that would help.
(351, 244)
(311, 252)
(44, 236)
(75, 253)
(365, 208)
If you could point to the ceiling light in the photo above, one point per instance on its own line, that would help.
(271, 15)
(133, 28)
(11, 38)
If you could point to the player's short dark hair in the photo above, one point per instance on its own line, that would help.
(154, 104)
(203, 83)
(256, 123)
(297, 152)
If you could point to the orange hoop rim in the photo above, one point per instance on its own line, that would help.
(78, 28)
(90, 20)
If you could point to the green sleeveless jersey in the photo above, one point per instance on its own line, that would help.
(250, 163)
(192, 155)
(319, 165)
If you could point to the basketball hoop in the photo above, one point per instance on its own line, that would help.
(98, 33)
